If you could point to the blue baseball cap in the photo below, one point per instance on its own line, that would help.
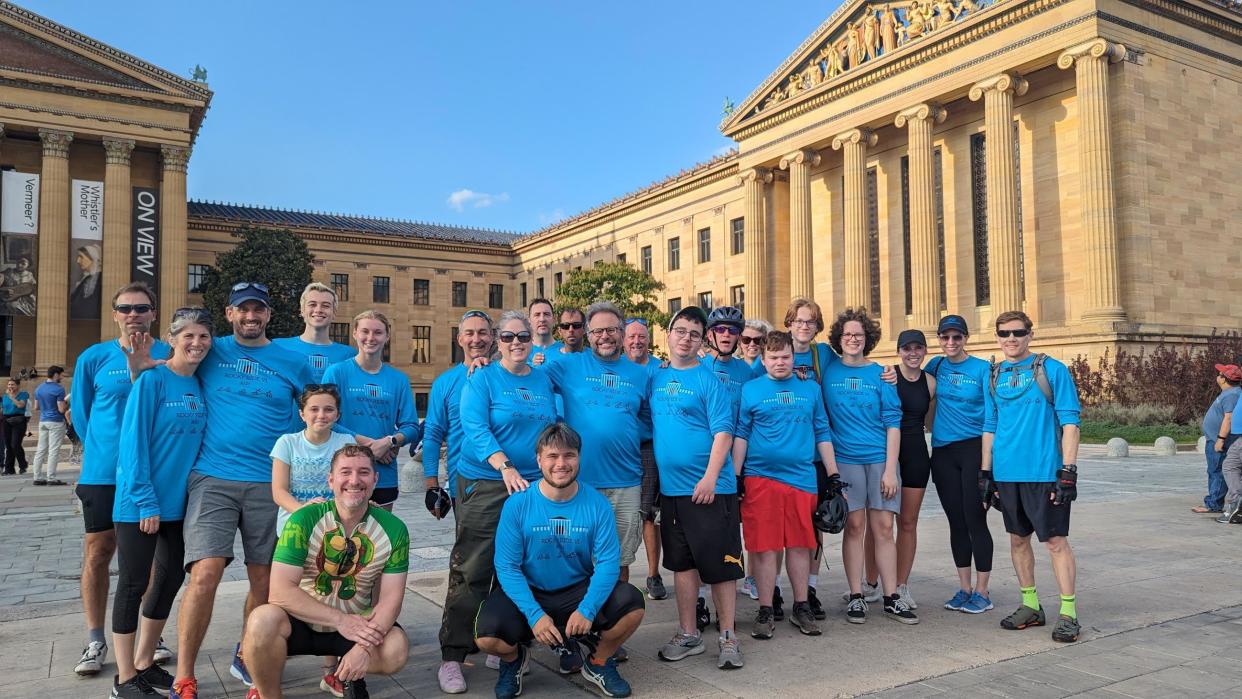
(957, 323)
(249, 291)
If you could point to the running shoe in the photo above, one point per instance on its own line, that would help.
(817, 609)
(1066, 630)
(897, 609)
(804, 619)
(509, 681)
(133, 689)
(253, 693)
(40, 481)
(977, 604)
(606, 678)
(93, 656)
(450, 678)
(332, 684)
(681, 646)
(357, 689)
(904, 591)
(959, 600)
(778, 610)
(856, 610)
(763, 627)
(1022, 618)
(655, 588)
(730, 653)
(492, 661)
(238, 668)
(871, 593)
(748, 587)
(163, 653)
(1231, 508)
(185, 688)
(157, 678)
(702, 617)
(570, 657)
(1236, 517)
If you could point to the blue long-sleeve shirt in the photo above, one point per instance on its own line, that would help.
(101, 386)
(689, 408)
(959, 398)
(861, 409)
(549, 545)
(161, 432)
(733, 374)
(782, 421)
(318, 357)
(1025, 448)
(503, 412)
(604, 403)
(376, 405)
(443, 425)
(807, 359)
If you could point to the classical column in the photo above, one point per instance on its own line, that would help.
(1004, 270)
(52, 284)
(801, 250)
(857, 261)
(116, 243)
(1095, 162)
(924, 262)
(754, 185)
(173, 269)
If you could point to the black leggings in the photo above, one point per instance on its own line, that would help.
(13, 436)
(955, 471)
(135, 553)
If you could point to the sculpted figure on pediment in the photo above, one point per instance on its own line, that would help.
(831, 55)
(888, 29)
(853, 44)
(871, 35)
(916, 21)
(793, 86)
(774, 98)
(811, 75)
(946, 12)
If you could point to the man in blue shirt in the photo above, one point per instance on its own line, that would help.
(724, 328)
(1030, 449)
(51, 400)
(318, 308)
(557, 560)
(543, 324)
(1217, 426)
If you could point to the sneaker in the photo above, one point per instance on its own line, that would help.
(904, 591)
(778, 610)
(958, 601)
(40, 481)
(163, 653)
(748, 587)
(804, 619)
(570, 657)
(977, 604)
(450, 677)
(681, 646)
(1236, 517)
(655, 588)
(492, 662)
(856, 610)
(622, 655)
(730, 654)
(871, 593)
(1022, 618)
(606, 678)
(184, 688)
(763, 627)
(817, 609)
(357, 689)
(702, 617)
(157, 678)
(238, 668)
(509, 682)
(1230, 509)
(1066, 630)
(93, 656)
(133, 689)
(332, 684)
(898, 609)
(253, 693)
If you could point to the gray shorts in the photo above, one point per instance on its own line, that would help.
(864, 487)
(626, 506)
(216, 509)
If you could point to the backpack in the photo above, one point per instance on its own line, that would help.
(1038, 371)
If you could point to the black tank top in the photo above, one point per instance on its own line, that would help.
(915, 401)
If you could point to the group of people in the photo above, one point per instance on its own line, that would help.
(1223, 447)
(563, 457)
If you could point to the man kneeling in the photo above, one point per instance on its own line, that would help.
(558, 562)
(338, 580)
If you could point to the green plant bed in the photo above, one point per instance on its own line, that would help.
(1094, 432)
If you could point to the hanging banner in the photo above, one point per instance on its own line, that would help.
(19, 203)
(145, 237)
(86, 250)
(19, 223)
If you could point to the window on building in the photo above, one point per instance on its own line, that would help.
(379, 289)
(420, 344)
(705, 300)
(979, 215)
(737, 298)
(557, 279)
(420, 403)
(644, 256)
(873, 240)
(339, 332)
(422, 292)
(705, 245)
(539, 290)
(495, 295)
(737, 233)
(197, 278)
(455, 349)
(674, 254)
(522, 293)
(340, 284)
(621, 258)
(459, 294)
(674, 305)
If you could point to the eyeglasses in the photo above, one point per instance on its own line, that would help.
(747, 339)
(576, 325)
(522, 337)
(600, 332)
(640, 321)
(1020, 332)
(952, 338)
(726, 330)
(803, 323)
(127, 308)
(242, 286)
(682, 333)
(853, 336)
(476, 314)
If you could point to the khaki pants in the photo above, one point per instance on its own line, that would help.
(471, 569)
(51, 437)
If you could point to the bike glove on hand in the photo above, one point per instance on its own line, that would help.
(1066, 488)
(438, 502)
(834, 486)
(989, 494)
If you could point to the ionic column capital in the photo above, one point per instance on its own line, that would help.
(927, 111)
(854, 137)
(175, 157)
(1005, 82)
(118, 150)
(800, 157)
(762, 175)
(55, 143)
(1094, 49)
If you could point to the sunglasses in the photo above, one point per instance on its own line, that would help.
(127, 308)
(522, 337)
(475, 314)
(1021, 332)
(348, 556)
(747, 339)
(726, 330)
(320, 388)
(640, 321)
(577, 325)
(952, 338)
(242, 286)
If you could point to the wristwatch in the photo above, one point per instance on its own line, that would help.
(506, 466)
(392, 441)
(1072, 468)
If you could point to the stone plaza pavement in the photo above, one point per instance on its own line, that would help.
(1158, 596)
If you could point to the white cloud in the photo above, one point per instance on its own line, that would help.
(548, 218)
(463, 198)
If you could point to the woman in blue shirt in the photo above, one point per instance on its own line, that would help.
(161, 432)
(14, 427)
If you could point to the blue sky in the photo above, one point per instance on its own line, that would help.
(529, 111)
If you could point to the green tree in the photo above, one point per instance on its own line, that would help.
(632, 290)
(271, 256)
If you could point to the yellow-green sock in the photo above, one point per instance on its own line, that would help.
(1067, 606)
(1030, 598)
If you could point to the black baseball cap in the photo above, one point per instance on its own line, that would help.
(957, 323)
(691, 312)
(911, 336)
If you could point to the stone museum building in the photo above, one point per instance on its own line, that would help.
(1078, 159)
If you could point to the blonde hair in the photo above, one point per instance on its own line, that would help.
(316, 286)
(372, 314)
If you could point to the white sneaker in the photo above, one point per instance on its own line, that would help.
(163, 653)
(450, 678)
(93, 656)
(748, 587)
(493, 662)
(871, 593)
(904, 591)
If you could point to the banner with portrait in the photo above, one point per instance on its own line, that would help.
(86, 250)
(19, 242)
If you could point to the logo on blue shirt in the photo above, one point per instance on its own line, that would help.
(611, 381)
(191, 402)
(246, 366)
(674, 389)
(318, 361)
(853, 383)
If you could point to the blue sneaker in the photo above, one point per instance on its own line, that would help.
(509, 681)
(606, 678)
(958, 600)
(238, 668)
(977, 604)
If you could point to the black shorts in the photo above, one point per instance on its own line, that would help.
(304, 640)
(500, 618)
(1027, 508)
(385, 496)
(649, 503)
(97, 503)
(706, 538)
(914, 461)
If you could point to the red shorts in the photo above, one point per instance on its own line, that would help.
(776, 516)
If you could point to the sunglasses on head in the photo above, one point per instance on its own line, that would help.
(522, 337)
(242, 286)
(1020, 332)
(127, 308)
(475, 314)
(640, 321)
(189, 312)
(747, 339)
(576, 325)
(320, 387)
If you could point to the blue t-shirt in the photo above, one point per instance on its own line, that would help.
(1025, 448)
(732, 374)
(552, 351)
(959, 398)
(826, 358)
(644, 429)
(161, 432)
(547, 545)
(782, 421)
(689, 407)
(101, 386)
(48, 395)
(605, 403)
(254, 400)
(10, 406)
(861, 409)
(1215, 416)
(308, 466)
(503, 412)
(318, 357)
(375, 406)
(443, 425)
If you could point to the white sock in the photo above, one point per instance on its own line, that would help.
(813, 580)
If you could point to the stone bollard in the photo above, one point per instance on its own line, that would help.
(1201, 445)
(1118, 447)
(410, 477)
(1165, 446)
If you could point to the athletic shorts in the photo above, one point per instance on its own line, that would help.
(303, 640)
(500, 618)
(385, 496)
(216, 509)
(702, 537)
(864, 487)
(776, 516)
(913, 461)
(1027, 508)
(650, 504)
(626, 509)
(97, 501)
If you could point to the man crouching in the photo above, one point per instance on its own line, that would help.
(338, 580)
(558, 561)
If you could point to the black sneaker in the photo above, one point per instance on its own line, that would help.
(356, 689)
(856, 610)
(898, 609)
(817, 609)
(778, 612)
(135, 688)
(157, 678)
(763, 627)
(570, 656)
(702, 617)
(1022, 618)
